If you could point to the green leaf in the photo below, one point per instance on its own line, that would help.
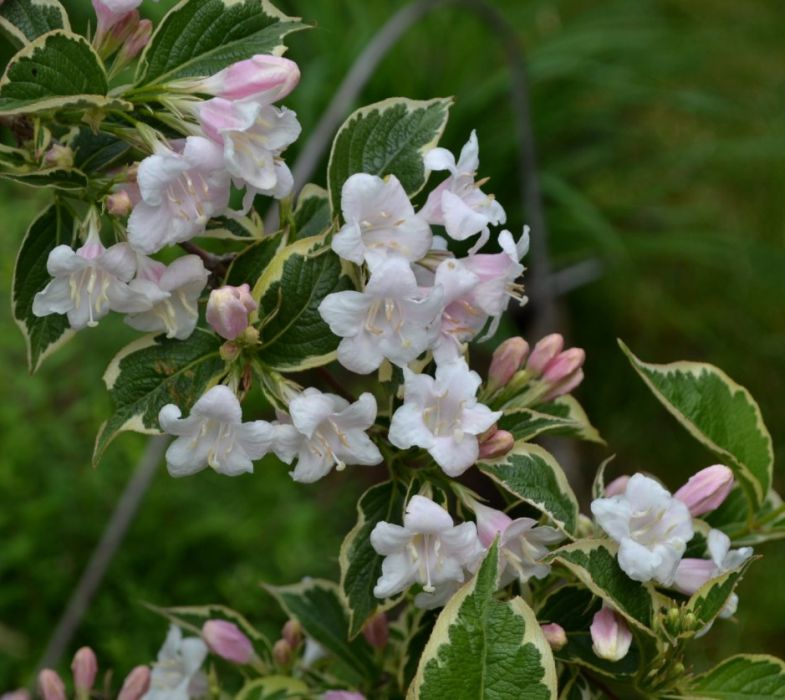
(567, 407)
(708, 601)
(26, 20)
(97, 151)
(318, 607)
(743, 677)
(387, 138)
(58, 70)
(251, 263)
(199, 38)
(246, 228)
(526, 424)
(736, 520)
(718, 413)
(293, 335)
(273, 688)
(43, 335)
(66, 179)
(483, 648)
(312, 214)
(531, 473)
(361, 566)
(594, 563)
(155, 371)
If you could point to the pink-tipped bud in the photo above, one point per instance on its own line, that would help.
(490, 523)
(85, 669)
(497, 445)
(282, 652)
(617, 487)
(262, 78)
(564, 365)
(119, 203)
(544, 351)
(610, 636)
(59, 156)
(508, 358)
(136, 684)
(377, 631)
(228, 309)
(110, 13)
(50, 685)
(706, 490)
(133, 46)
(292, 632)
(20, 694)
(555, 636)
(227, 641)
(573, 382)
(342, 695)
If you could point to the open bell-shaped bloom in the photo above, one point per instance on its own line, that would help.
(458, 203)
(173, 292)
(180, 192)
(651, 526)
(429, 549)
(214, 435)
(522, 543)
(252, 136)
(380, 222)
(90, 282)
(691, 573)
(393, 318)
(178, 666)
(330, 433)
(441, 414)
(611, 637)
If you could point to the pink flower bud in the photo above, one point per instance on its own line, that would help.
(228, 309)
(20, 694)
(497, 445)
(564, 365)
(227, 641)
(611, 638)
(490, 523)
(282, 652)
(263, 78)
(136, 684)
(507, 360)
(293, 633)
(376, 631)
(617, 487)
(706, 490)
(342, 695)
(133, 46)
(565, 387)
(84, 668)
(111, 12)
(544, 351)
(51, 685)
(555, 635)
(59, 156)
(119, 204)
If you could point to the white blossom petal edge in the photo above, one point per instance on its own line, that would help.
(179, 663)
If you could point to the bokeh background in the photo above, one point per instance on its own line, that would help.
(661, 137)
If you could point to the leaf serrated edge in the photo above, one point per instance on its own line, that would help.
(14, 32)
(696, 368)
(754, 658)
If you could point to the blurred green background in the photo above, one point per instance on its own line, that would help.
(661, 137)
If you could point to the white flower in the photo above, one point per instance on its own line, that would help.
(442, 415)
(429, 549)
(330, 432)
(89, 282)
(253, 136)
(392, 319)
(458, 203)
(691, 574)
(180, 193)
(173, 293)
(178, 666)
(651, 527)
(522, 543)
(380, 222)
(214, 435)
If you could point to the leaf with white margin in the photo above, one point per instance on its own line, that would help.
(294, 337)
(26, 20)
(43, 334)
(312, 214)
(198, 38)
(152, 372)
(387, 138)
(57, 71)
(719, 413)
(594, 564)
(527, 424)
(361, 565)
(567, 407)
(743, 677)
(531, 473)
(273, 688)
(483, 648)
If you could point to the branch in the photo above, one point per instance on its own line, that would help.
(217, 264)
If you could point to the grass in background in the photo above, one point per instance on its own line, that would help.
(662, 146)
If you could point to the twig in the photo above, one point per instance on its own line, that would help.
(217, 264)
(110, 542)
